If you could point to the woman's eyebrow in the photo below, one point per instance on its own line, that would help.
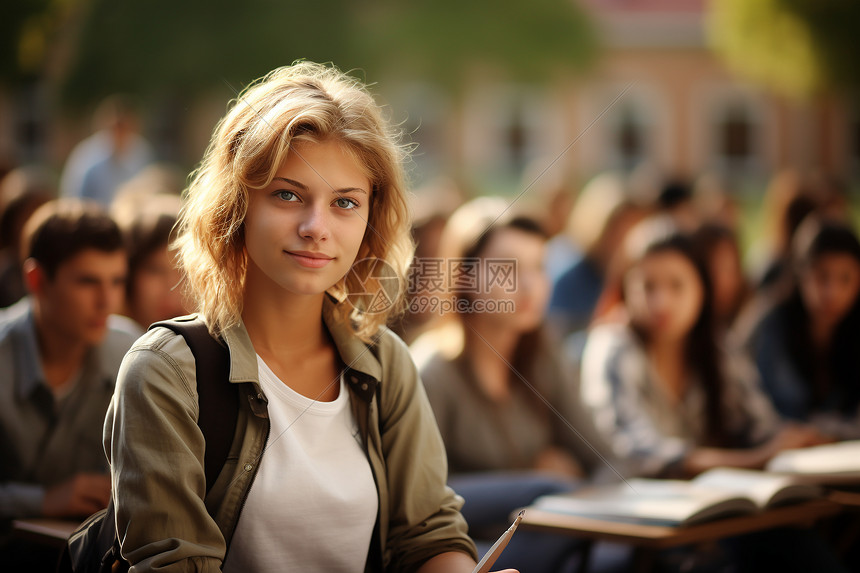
(293, 182)
(347, 190)
(304, 187)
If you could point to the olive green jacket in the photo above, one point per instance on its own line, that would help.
(156, 450)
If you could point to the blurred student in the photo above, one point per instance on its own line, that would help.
(432, 205)
(601, 219)
(101, 163)
(552, 196)
(58, 365)
(674, 404)
(806, 345)
(576, 293)
(789, 199)
(22, 191)
(583, 224)
(715, 202)
(717, 246)
(505, 405)
(663, 391)
(154, 288)
(676, 200)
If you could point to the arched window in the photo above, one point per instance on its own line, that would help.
(516, 138)
(735, 134)
(630, 135)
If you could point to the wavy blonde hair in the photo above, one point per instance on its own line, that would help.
(302, 102)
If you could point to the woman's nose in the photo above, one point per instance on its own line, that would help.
(314, 225)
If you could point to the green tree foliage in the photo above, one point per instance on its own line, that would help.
(798, 47)
(24, 31)
(146, 46)
(446, 40)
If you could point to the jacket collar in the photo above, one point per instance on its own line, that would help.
(362, 372)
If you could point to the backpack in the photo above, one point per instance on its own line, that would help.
(94, 547)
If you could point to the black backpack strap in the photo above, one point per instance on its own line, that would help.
(218, 399)
(94, 547)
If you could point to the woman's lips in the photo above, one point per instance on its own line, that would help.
(309, 259)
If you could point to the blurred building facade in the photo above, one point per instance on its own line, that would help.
(657, 96)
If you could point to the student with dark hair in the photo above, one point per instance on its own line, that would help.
(154, 288)
(674, 404)
(577, 291)
(59, 358)
(717, 245)
(789, 199)
(22, 191)
(664, 392)
(506, 406)
(806, 345)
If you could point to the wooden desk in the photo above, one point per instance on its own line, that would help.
(648, 539)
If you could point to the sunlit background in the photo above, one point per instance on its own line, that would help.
(498, 97)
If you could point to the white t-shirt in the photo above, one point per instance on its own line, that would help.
(313, 503)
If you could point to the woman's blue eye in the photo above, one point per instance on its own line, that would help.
(287, 195)
(345, 203)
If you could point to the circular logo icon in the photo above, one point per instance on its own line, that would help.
(374, 285)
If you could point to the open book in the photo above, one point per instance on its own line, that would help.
(719, 492)
(828, 464)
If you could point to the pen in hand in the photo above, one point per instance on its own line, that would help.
(497, 548)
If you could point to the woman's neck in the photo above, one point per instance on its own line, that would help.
(59, 357)
(669, 360)
(491, 351)
(283, 324)
(821, 333)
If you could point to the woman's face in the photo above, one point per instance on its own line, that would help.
(303, 231)
(157, 290)
(520, 306)
(664, 295)
(829, 287)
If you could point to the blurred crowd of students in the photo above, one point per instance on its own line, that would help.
(650, 351)
(85, 270)
(628, 340)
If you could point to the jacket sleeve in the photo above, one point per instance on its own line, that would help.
(424, 512)
(156, 450)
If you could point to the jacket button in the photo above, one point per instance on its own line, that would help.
(364, 386)
(354, 379)
(248, 467)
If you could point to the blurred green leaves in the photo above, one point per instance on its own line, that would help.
(25, 29)
(797, 47)
(186, 46)
(448, 40)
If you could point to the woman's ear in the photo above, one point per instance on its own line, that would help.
(34, 276)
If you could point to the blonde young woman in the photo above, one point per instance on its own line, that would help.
(336, 463)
